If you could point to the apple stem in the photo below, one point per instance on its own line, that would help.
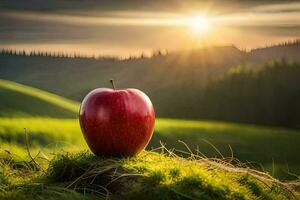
(112, 84)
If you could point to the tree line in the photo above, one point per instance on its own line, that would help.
(142, 55)
(269, 96)
(281, 44)
(14, 52)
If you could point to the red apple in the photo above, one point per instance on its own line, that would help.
(117, 122)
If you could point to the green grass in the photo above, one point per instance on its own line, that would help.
(46, 134)
(55, 137)
(18, 100)
(274, 148)
(147, 176)
(277, 149)
(42, 131)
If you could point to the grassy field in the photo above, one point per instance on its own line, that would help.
(44, 134)
(62, 173)
(275, 149)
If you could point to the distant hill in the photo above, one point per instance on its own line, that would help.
(290, 51)
(174, 82)
(18, 100)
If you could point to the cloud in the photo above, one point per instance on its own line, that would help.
(106, 19)
(272, 15)
(278, 8)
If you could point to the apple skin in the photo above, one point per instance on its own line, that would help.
(117, 122)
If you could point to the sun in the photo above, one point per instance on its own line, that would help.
(198, 24)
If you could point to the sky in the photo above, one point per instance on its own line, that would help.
(124, 28)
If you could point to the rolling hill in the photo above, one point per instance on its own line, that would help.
(163, 78)
(169, 80)
(289, 51)
(17, 100)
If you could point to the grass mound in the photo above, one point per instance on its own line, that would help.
(269, 149)
(19, 100)
(148, 176)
